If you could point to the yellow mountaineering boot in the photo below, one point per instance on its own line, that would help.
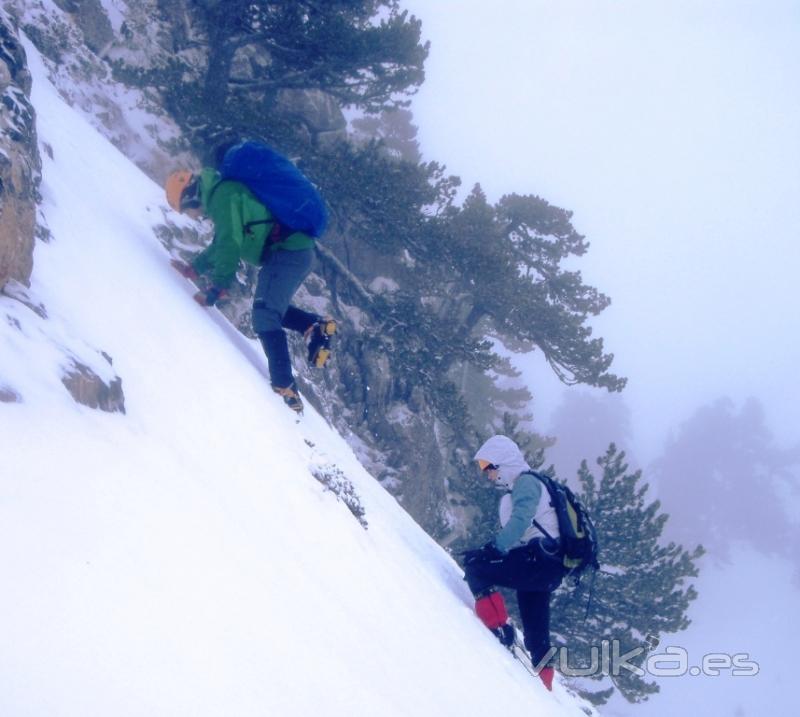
(318, 336)
(290, 396)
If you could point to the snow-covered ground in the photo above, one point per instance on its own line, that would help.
(181, 559)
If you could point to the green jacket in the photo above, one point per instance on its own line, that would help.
(242, 226)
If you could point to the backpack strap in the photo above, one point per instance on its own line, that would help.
(535, 522)
(212, 190)
(542, 530)
(279, 231)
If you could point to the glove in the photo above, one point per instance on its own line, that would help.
(472, 556)
(492, 552)
(210, 296)
(506, 635)
(184, 269)
(487, 553)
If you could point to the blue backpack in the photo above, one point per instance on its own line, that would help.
(278, 184)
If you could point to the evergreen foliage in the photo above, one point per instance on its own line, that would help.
(362, 53)
(395, 130)
(338, 46)
(510, 256)
(378, 200)
(491, 395)
(641, 590)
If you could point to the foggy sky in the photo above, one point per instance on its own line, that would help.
(672, 129)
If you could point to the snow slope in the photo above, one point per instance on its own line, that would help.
(181, 559)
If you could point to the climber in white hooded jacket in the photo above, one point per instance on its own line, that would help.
(524, 555)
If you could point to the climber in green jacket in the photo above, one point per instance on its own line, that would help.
(244, 229)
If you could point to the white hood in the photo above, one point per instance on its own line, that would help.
(505, 454)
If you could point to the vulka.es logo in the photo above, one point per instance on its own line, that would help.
(608, 659)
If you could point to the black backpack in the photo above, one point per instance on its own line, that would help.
(578, 534)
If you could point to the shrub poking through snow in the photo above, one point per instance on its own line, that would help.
(339, 484)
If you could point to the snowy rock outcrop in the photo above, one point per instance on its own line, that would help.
(77, 38)
(20, 166)
(91, 18)
(84, 371)
(89, 389)
(42, 356)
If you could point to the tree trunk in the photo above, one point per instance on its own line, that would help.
(220, 56)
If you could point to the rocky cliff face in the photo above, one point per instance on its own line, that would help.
(78, 39)
(20, 166)
(20, 177)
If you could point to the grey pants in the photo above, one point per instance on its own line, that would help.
(278, 280)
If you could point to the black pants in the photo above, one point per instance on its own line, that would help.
(534, 571)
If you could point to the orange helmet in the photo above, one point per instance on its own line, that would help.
(176, 183)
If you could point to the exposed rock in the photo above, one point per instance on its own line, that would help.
(20, 164)
(77, 40)
(419, 451)
(18, 292)
(90, 390)
(249, 63)
(9, 395)
(318, 113)
(91, 18)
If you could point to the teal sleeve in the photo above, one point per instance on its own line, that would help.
(525, 500)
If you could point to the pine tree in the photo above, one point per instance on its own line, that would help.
(489, 396)
(363, 53)
(396, 131)
(641, 591)
(511, 257)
